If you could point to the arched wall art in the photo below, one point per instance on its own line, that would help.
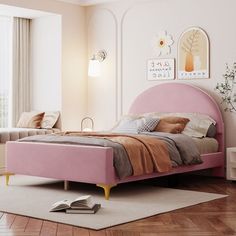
(193, 54)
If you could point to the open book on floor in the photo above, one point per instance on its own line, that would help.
(83, 204)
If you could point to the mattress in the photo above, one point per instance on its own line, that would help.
(12, 134)
(206, 145)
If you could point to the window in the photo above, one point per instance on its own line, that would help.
(5, 71)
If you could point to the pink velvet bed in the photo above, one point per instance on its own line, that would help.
(93, 164)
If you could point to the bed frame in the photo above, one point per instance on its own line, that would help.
(14, 134)
(92, 164)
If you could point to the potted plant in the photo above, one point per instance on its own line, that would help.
(227, 88)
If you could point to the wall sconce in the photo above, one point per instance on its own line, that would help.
(94, 69)
(87, 128)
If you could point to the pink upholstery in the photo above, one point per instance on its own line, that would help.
(66, 162)
(179, 97)
(95, 164)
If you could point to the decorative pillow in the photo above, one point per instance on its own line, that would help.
(129, 124)
(30, 120)
(197, 126)
(164, 126)
(176, 120)
(49, 120)
(211, 132)
(149, 124)
(172, 124)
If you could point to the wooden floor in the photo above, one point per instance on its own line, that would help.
(213, 218)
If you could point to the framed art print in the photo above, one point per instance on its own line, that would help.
(193, 54)
(160, 69)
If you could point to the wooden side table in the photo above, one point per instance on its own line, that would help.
(231, 163)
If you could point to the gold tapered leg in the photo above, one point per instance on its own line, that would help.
(7, 175)
(66, 185)
(107, 188)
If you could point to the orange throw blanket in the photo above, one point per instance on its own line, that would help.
(146, 154)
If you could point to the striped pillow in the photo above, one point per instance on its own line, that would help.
(149, 124)
(136, 125)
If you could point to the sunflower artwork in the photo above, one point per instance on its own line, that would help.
(161, 68)
(193, 54)
(162, 42)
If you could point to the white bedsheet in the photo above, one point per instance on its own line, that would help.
(206, 145)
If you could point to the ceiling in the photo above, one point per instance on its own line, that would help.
(6, 10)
(87, 2)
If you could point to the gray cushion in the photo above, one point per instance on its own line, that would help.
(211, 132)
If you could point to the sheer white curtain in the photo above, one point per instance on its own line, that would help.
(5, 57)
(20, 68)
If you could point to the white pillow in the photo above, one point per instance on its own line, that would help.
(198, 125)
(134, 124)
(49, 120)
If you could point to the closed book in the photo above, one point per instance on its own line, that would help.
(84, 211)
(83, 207)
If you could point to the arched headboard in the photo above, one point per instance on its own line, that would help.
(179, 97)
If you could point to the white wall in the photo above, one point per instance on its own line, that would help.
(73, 56)
(102, 93)
(138, 23)
(46, 63)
